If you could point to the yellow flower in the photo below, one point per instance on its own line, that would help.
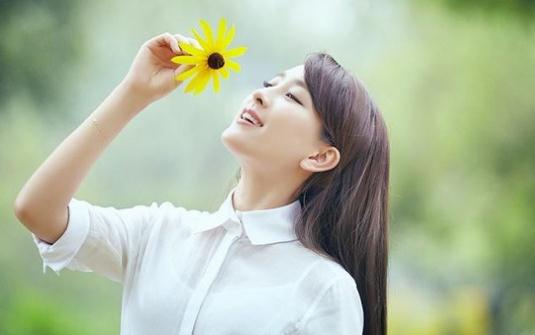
(210, 61)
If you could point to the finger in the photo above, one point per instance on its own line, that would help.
(165, 40)
(195, 43)
(188, 40)
(181, 38)
(172, 42)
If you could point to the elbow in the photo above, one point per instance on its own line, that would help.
(21, 211)
(42, 228)
(47, 224)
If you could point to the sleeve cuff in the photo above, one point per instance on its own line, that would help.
(60, 254)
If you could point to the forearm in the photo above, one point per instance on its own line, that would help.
(47, 193)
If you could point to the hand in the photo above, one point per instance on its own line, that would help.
(152, 74)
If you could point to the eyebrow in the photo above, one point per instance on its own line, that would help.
(297, 82)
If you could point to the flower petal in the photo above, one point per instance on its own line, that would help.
(203, 81)
(215, 77)
(224, 71)
(233, 65)
(235, 52)
(188, 59)
(208, 32)
(188, 73)
(191, 49)
(201, 41)
(229, 36)
(221, 29)
(193, 83)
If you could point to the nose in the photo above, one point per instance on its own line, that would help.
(260, 98)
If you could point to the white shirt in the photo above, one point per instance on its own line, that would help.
(196, 272)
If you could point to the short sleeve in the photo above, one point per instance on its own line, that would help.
(337, 310)
(98, 239)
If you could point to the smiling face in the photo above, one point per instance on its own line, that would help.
(291, 127)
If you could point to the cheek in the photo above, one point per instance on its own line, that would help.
(290, 137)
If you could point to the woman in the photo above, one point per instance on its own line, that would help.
(299, 245)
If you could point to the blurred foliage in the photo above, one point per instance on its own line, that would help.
(465, 312)
(456, 89)
(520, 8)
(39, 44)
(465, 178)
(32, 312)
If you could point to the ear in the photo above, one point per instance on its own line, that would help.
(324, 160)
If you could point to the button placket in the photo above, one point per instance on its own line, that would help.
(234, 228)
(198, 296)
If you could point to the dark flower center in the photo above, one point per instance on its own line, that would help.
(216, 61)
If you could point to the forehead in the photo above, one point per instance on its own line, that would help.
(296, 72)
(294, 75)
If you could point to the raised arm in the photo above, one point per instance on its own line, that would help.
(41, 205)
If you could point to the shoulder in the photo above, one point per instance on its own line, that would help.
(173, 215)
(322, 268)
(171, 209)
(329, 299)
(321, 273)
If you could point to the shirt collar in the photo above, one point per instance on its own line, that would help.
(262, 226)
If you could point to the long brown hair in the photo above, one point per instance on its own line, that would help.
(345, 210)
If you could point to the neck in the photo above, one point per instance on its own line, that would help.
(255, 192)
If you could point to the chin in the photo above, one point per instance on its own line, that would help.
(232, 141)
(238, 144)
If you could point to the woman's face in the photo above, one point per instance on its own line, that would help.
(291, 128)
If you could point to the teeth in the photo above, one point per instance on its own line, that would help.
(244, 118)
(250, 118)
(247, 119)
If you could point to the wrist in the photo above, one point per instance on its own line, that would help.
(135, 98)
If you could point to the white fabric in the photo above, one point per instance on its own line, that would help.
(196, 272)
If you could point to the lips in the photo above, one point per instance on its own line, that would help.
(251, 114)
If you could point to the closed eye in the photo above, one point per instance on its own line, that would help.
(266, 84)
